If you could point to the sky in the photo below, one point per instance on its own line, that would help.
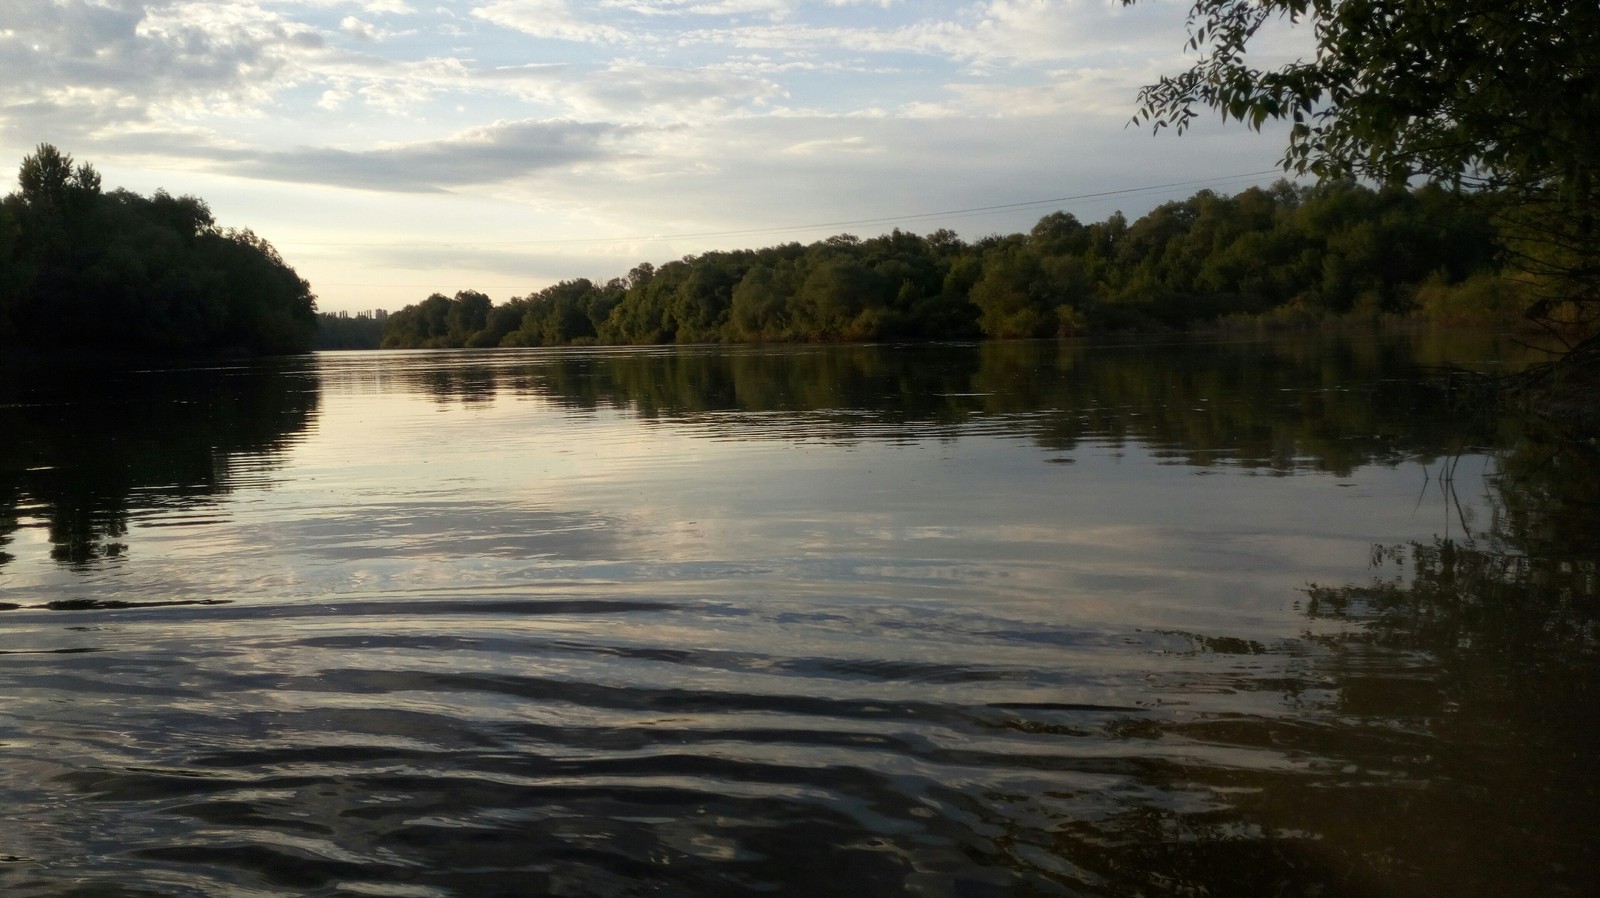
(395, 148)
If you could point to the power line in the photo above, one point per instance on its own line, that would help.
(750, 232)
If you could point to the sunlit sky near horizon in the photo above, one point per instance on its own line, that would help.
(395, 148)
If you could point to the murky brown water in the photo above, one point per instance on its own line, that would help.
(1153, 619)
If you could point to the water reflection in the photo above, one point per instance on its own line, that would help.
(754, 620)
(86, 449)
(1326, 404)
(1443, 726)
(1486, 647)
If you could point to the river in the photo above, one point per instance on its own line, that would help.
(1141, 619)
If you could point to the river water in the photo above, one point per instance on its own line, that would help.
(1182, 618)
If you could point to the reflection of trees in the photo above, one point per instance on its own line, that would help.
(1436, 734)
(1508, 617)
(8, 517)
(84, 448)
(1451, 735)
(1330, 404)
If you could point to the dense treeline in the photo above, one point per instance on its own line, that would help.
(83, 268)
(338, 332)
(1285, 252)
(1279, 412)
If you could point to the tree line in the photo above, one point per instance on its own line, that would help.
(339, 332)
(1460, 92)
(82, 268)
(173, 437)
(1284, 254)
(1060, 395)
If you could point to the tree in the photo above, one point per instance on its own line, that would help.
(45, 176)
(114, 271)
(1451, 89)
(270, 309)
(1024, 295)
(1477, 93)
(760, 301)
(468, 314)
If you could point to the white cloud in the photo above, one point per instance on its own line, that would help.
(79, 67)
(773, 8)
(1000, 32)
(1104, 97)
(548, 19)
(637, 92)
(358, 29)
(333, 99)
(638, 88)
(368, 32)
(498, 152)
(833, 146)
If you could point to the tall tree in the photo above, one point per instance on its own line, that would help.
(85, 269)
(1467, 92)
(1451, 89)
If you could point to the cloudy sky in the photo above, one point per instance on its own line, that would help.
(393, 148)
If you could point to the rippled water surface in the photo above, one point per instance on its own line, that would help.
(1020, 619)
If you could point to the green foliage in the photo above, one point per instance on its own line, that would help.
(1021, 289)
(50, 182)
(569, 312)
(467, 315)
(88, 270)
(1397, 88)
(336, 332)
(1337, 249)
(1480, 92)
(424, 326)
(1484, 300)
(760, 305)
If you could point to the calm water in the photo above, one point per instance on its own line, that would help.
(1026, 619)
